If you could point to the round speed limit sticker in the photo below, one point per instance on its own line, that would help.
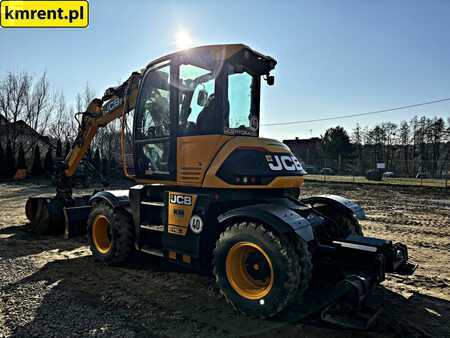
(196, 224)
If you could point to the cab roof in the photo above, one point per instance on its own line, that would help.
(217, 52)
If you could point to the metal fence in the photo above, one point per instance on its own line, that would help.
(426, 173)
(398, 168)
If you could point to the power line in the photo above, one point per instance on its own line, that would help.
(354, 115)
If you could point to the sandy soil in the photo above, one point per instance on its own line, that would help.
(52, 287)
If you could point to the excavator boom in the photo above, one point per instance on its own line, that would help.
(47, 215)
(116, 102)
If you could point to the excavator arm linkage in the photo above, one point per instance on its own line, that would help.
(47, 215)
(115, 103)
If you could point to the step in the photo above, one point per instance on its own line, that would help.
(153, 251)
(153, 204)
(152, 227)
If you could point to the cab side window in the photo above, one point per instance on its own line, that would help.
(240, 100)
(154, 105)
(152, 138)
(197, 94)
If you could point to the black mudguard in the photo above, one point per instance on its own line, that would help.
(279, 217)
(115, 198)
(338, 202)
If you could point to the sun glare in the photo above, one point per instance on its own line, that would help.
(183, 40)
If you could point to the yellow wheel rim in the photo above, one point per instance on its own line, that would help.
(101, 234)
(249, 270)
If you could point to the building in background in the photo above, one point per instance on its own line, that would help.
(308, 151)
(23, 133)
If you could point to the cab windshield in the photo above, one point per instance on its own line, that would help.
(221, 99)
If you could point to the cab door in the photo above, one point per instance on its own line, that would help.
(154, 125)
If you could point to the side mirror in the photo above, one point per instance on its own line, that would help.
(270, 80)
(202, 97)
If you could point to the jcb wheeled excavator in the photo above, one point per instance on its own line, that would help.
(210, 193)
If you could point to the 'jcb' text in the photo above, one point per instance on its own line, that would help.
(286, 162)
(181, 199)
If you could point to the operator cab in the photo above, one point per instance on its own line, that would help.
(204, 91)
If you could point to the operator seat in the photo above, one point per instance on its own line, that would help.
(207, 120)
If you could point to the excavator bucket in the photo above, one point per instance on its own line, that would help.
(52, 216)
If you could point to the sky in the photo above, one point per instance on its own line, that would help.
(334, 57)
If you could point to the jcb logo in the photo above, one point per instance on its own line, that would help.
(180, 199)
(112, 105)
(283, 162)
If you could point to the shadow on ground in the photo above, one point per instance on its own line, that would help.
(149, 298)
(17, 241)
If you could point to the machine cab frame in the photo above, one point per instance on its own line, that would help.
(195, 93)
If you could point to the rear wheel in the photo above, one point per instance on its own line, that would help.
(258, 272)
(306, 266)
(342, 224)
(353, 225)
(110, 234)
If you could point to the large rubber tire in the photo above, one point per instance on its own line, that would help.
(344, 224)
(306, 266)
(353, 225)
(119, 245)
(282, 258)
(347, 225)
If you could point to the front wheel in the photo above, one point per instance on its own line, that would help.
(110, 234)
(258, 271)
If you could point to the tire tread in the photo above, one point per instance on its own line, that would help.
(123, 229)
(298, 267)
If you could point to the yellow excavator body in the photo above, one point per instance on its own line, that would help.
(211, 193)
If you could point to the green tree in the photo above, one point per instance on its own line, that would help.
(357, 139)
(336, 143)
(88, 156)
(49, 166)
(105, 167)
(67, 150)
(21, 164)
(113, 167)
(390, 132)
(2, 160)
(404, 138)
(10, 161)
(437, 130)
(97, 161)
(36, 168)
(58, 148)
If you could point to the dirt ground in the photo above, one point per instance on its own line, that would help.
(52, 287)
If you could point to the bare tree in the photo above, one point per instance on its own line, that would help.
(63, 126)
(73, 126)
(83, 99)
(14, 93)
(107, 139)
(40, 105)
(60, 117)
